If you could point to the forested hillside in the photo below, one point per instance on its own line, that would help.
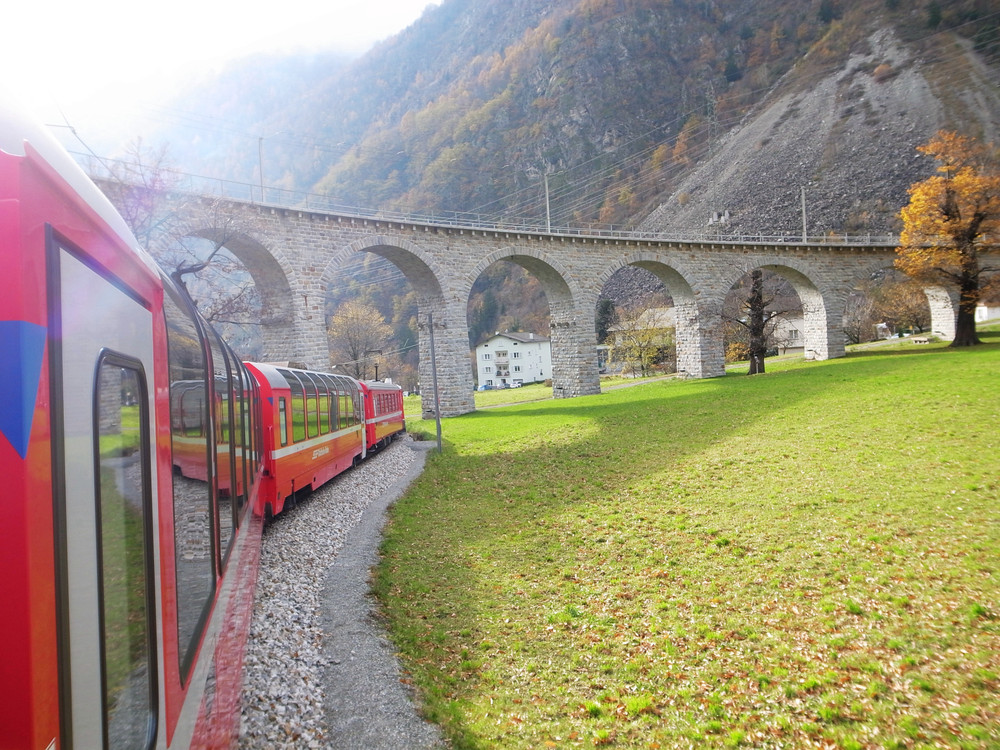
(613, 100)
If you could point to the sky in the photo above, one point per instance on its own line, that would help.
(74, 56)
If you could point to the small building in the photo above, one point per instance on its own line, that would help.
(513, 358)
(987, 312)
(788, 335)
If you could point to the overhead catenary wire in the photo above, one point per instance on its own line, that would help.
(582, 195)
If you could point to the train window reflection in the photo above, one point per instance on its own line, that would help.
(224, 431)
(124, 508)
(195, 573)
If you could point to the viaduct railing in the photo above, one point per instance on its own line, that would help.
(277, 197)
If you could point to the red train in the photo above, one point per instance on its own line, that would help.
(140, 458)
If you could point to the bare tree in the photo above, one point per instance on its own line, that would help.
(176, 231)
(358, 334)
(754, 310)
(860, 317)
(138, 185)
(641, 338)
(902, 304)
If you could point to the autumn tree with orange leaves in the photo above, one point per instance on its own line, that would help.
(953, 218)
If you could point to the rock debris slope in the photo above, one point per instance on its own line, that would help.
(849, 138)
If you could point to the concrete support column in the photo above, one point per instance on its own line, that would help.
(307, 342)
(574, 353)
(277, 339)
(944, 310)
(700, 349)
(823, 319)
(312, 338)
(451, 357)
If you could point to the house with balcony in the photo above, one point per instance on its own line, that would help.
(513, 358)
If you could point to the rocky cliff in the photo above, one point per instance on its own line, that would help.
(847, 136)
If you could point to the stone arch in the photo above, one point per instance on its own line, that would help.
(696, 313)
(572, 337)
(823, 317)
(942, 302)
(267, 268)
(822, 308)
(560, 290)
(421, 271)
(438, 306)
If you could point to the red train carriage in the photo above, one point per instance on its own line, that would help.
(313, 426)
(127, 587)
(383, 413)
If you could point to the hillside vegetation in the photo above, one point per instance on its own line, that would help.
(614, 100)
(804, 559)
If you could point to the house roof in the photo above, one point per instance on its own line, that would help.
(522, 337)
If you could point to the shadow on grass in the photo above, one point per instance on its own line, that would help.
(532, 463)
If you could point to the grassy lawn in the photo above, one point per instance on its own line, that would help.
(807, 558)
(489, 399)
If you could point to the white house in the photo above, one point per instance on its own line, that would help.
(987, 312)
(513, 357)
(788, 336)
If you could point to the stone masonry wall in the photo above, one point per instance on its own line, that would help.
(443, 262)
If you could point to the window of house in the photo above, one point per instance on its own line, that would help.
(487, 369)
(486, 355)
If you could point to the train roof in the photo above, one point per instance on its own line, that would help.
(272, 372)
(380, 385)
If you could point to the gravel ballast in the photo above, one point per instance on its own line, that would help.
(319, 671)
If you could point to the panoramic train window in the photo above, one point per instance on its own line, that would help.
(195, 572)
(298, 407)
(346, 410)
(316, 408)
(224, 432)
(330, 415)
(283, 420)
(242, 438)
(324, 408)
(312, 417)
(358, 405)
(252, 405)
(124, 508)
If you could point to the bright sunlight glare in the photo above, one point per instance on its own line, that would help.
(70, 53)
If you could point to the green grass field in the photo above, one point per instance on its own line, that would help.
(807, 558)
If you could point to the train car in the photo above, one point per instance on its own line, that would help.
(313, 428)
(127, 585)
(383, 413)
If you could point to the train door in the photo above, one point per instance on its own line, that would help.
(102, 356)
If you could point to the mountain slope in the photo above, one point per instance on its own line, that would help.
(614, 104)
(848, 139)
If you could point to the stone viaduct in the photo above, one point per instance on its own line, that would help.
(294, 254)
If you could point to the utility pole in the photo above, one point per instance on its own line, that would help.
(379, 353)
(434, 381)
